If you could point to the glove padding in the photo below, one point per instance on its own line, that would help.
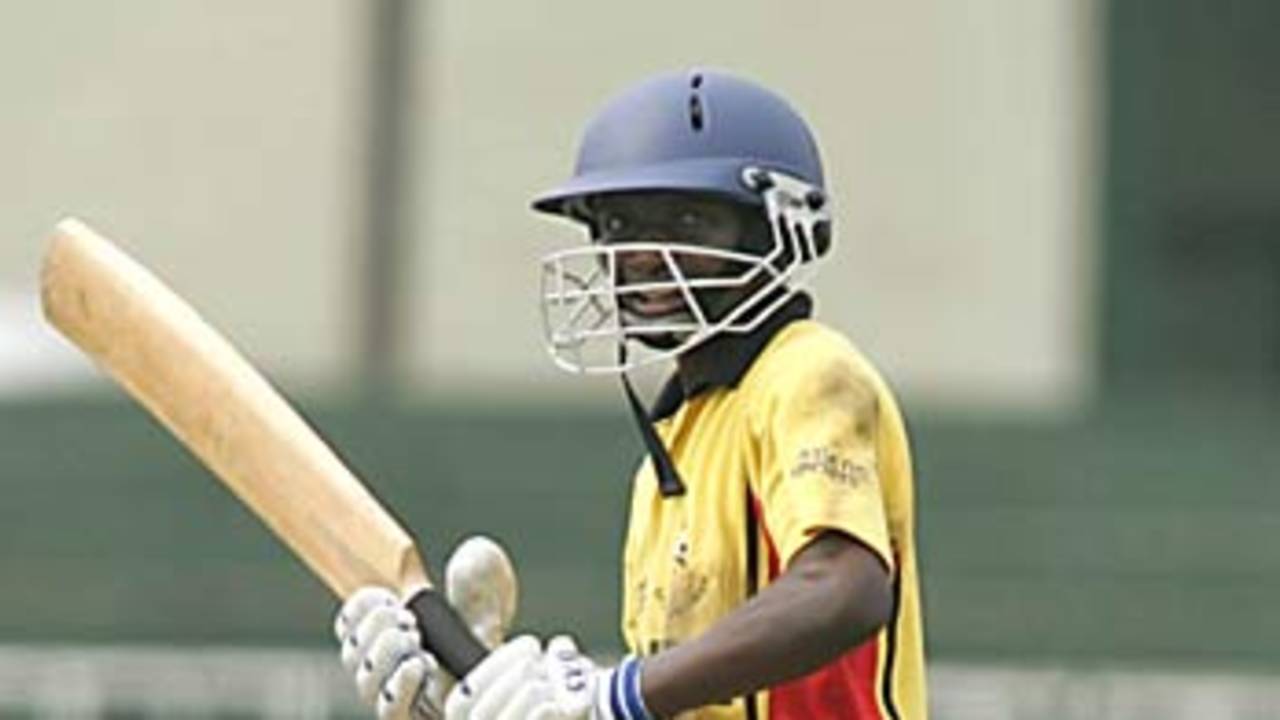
(519, 682)
(381, 644)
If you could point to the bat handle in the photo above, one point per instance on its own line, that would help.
(445, 634)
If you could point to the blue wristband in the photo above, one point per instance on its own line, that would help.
(625, 699)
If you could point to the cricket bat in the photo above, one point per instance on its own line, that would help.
(191, 379)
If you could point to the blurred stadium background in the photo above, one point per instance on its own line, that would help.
(1058, 237)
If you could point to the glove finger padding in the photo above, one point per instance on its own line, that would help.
(494, 680)
(392, 647)
(549, 711)
(480, 583)
(357, 606)
(499, 694)
(532, 700)
(375, 623)
(570, 673)
(408, 694)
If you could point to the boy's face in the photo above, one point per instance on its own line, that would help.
(667, 218)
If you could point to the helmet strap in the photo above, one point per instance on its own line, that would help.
(664, 467)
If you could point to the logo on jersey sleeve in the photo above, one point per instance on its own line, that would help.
(839, 469)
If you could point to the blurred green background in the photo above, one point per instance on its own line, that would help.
(1138, 535)
(1059, 241)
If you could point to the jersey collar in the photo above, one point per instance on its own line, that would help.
(723, 360)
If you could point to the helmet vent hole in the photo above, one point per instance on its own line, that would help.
(695, 82)
(696, 118)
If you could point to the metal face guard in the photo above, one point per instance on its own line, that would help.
(584, 314)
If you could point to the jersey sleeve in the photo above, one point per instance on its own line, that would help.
(818, 437)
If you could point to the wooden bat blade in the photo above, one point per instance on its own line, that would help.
(199, 387)
(195, 383)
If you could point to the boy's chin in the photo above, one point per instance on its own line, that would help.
(663, 341)
(657, 341)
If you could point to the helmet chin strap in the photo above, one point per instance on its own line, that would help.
(666, 341)
(669, 482)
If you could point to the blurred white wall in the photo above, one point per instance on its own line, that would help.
(224, 144)
(959, 144)
(216, 140)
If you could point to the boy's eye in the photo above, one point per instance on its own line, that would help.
(614, 224)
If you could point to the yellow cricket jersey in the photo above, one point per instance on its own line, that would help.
(778, 437)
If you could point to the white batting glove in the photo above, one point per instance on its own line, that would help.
(381, 644)
(480, 583)
(516, 682)
(507, 685)
(381, 648)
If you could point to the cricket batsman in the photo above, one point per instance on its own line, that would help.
(770, 568)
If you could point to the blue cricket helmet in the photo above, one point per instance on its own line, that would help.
(688, 131)
(701, 132)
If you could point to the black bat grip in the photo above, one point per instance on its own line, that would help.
(445, 634)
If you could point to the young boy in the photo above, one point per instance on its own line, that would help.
(769, 568)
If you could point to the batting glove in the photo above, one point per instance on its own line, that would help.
(518, 681)
(381, 644)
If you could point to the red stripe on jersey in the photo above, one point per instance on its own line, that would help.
(843, 689)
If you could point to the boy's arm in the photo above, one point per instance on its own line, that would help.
(834, 595)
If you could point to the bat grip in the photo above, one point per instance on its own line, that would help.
(445, 634)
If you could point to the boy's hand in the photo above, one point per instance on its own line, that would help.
(381, 644)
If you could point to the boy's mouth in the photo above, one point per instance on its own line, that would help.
(654, 304)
